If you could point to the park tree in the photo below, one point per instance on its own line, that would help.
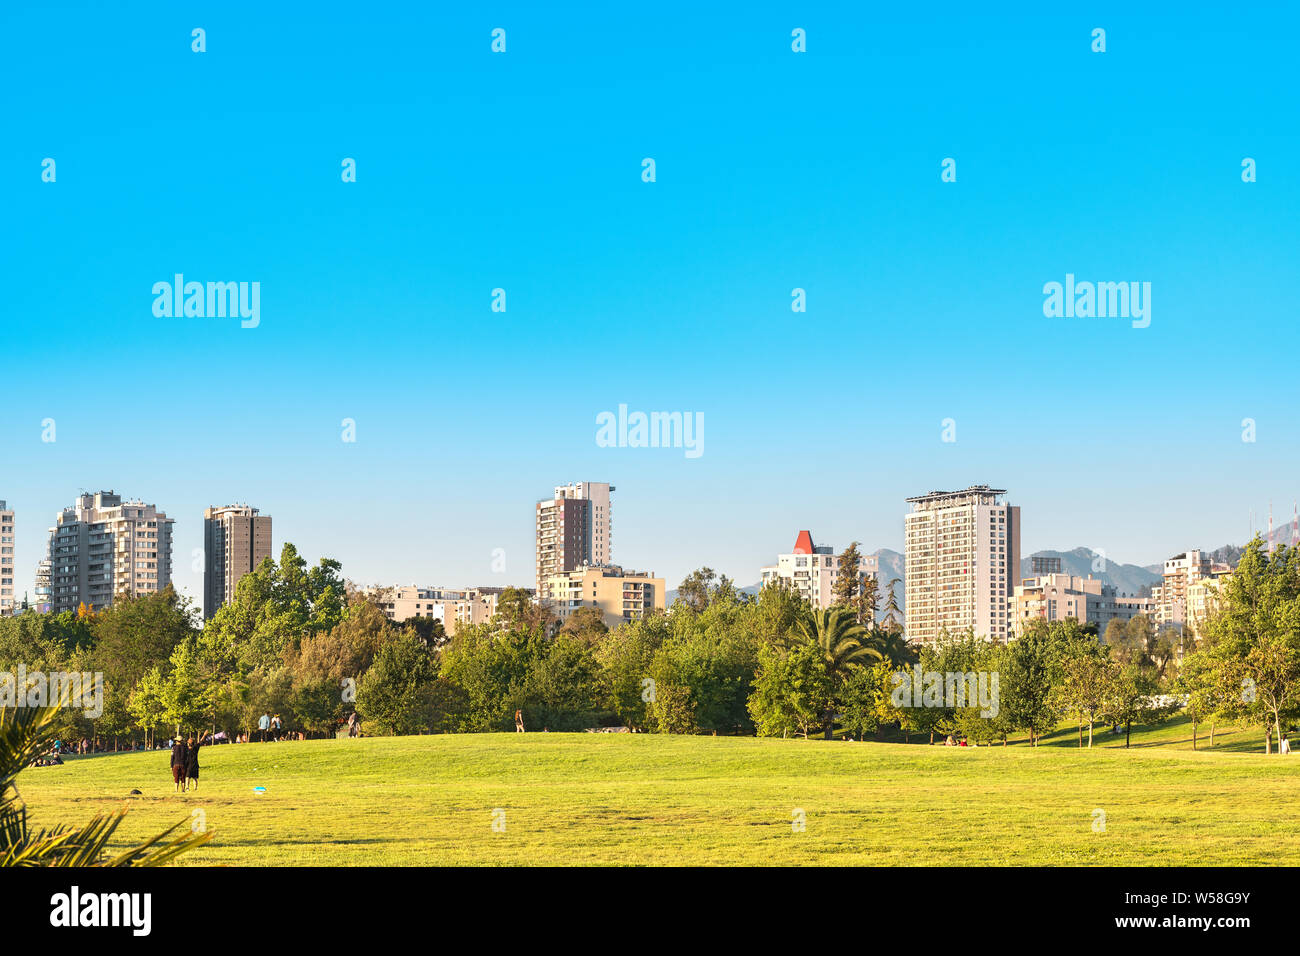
(893, 616)
(1133, 698)
(1254, 635)
(847, 587)
(1088, 676)
(146, 704)
(389, 694)
(1027, 685)
(793, 691)
(864, 699)
(625, 656)
(587, 624)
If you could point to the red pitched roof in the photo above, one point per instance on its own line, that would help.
(803, 544)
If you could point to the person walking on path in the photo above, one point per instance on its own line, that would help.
(179, 758)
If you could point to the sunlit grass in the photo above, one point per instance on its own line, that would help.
(649, 799)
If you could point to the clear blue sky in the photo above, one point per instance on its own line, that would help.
(775, 170)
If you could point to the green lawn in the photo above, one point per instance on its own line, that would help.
(648, 799)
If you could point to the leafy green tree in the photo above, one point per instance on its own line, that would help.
(587, 624)
(792, 691)
(841, 641)
(625, 656)
(1130, 698)
(389, 694)
(146, 704)
(864, 699)
(1088, 680)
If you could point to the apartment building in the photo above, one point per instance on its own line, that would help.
(962, 563)
(1203, 596)
(811, 569)
(236, 539)
(1055, 597)
(573, 528)
(1180, 573)
(620, 596)
(103, 546)
(42, 590)
(6, 560)
(452, 607)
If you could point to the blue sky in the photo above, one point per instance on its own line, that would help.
(522, 171)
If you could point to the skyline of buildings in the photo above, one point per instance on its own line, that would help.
(961, 567)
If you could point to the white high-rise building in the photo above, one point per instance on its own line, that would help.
(103, 546)
(962, 563)
(6, 560)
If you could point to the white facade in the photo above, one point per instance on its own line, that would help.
(6, 560)
(810, 570)
(962, 563)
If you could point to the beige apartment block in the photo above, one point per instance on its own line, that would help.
(236, 539)
(962, 563)
(1171, 595)
(6, 560)
(1203, 599)
(620, 596)
(452, 607)
(1055, 597)
(103, 546)
(811, 569)
(573, 528)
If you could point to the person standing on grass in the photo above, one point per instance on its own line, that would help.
(519, 721)
(192, 763)
(275, 727)
(354, 725)
(264, 724)
(179, 758)
(1284, 745)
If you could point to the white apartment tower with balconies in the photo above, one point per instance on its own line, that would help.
(6, 560)
(103, 546)
(962, 563)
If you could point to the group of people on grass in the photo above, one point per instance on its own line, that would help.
(185, 764)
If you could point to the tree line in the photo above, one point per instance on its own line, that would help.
(298, 641)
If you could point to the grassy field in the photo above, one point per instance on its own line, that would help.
(648, 799)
